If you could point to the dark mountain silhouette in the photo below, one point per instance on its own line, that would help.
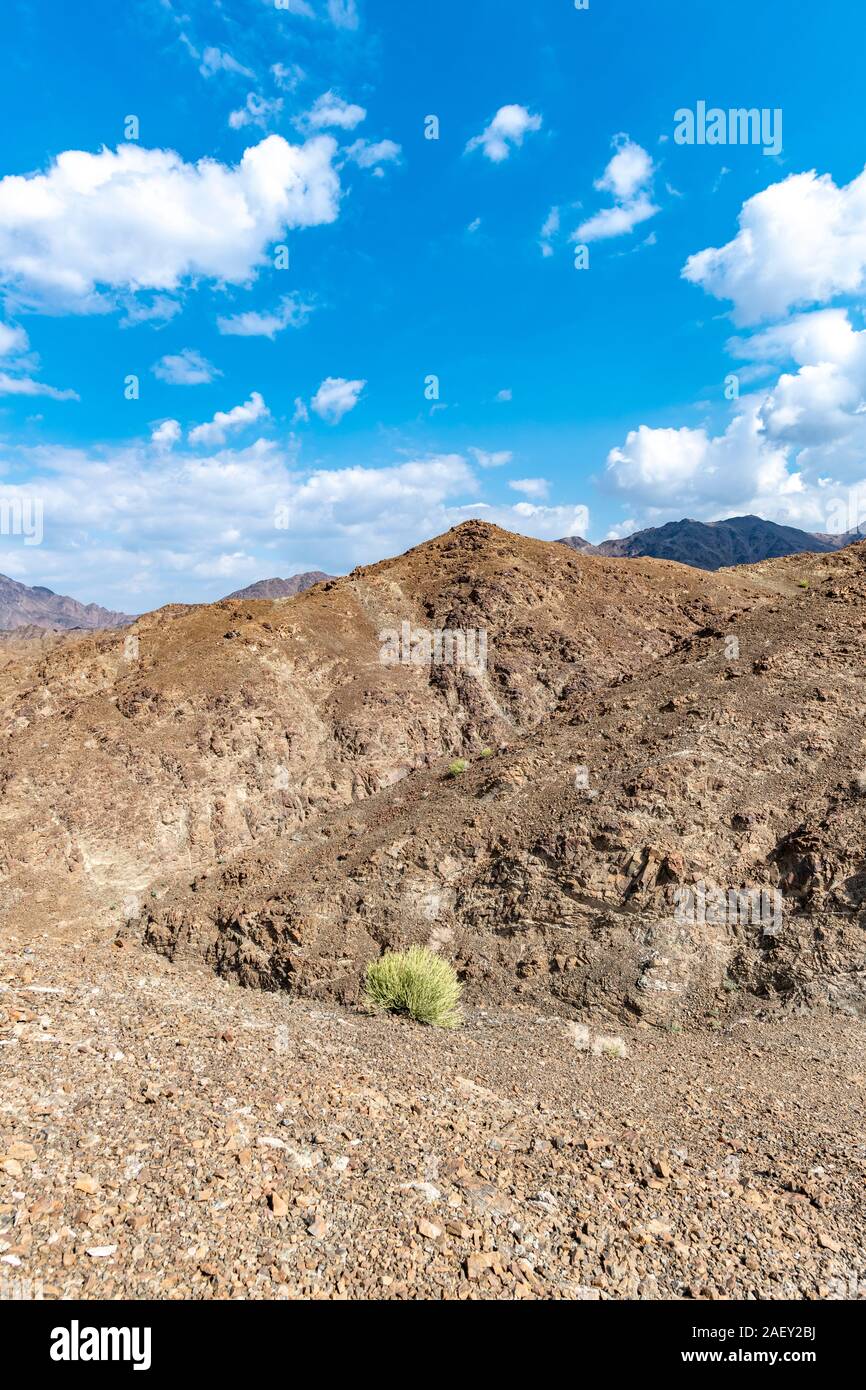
(738, 540)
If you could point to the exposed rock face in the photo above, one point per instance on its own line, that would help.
(558, 866)
(739, 540)
(134, 757)
(282, 588)
(254, 787)
(23, 606)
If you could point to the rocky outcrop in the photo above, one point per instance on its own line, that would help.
(252, 785)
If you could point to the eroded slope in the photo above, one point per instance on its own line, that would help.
(132, 758)
(554, 868)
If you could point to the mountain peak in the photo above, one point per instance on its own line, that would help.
(282, 588)
(712, 545)
(26, 606)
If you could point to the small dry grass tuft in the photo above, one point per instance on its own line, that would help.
(417, 983)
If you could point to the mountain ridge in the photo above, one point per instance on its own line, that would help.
(712, 545)
(28, 606)
(282, 588)
(738, 540)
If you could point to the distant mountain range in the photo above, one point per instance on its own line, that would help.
(24, 607)
(281, 588)
(739, 540)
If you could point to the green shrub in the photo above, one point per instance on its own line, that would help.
(416, 982)
(458, 766)
(487, 752)
(802, 583)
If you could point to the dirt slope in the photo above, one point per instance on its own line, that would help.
(164, 1135)
(552, 867)
(263, 754)
(129, 758)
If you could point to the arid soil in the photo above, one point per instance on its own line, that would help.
(734, 758)
(167, 1135)
(212, 821)
(131, 758)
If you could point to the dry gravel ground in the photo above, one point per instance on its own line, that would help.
(165, 1134)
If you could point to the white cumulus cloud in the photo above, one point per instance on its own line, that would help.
(801, 242)
(368, 154)
(336, 397)
(505, 132)
(138, 526)
(531, 487)
(166, 434)
(629, 178)
(225, 422)
(690, 469)
(330, 111)
(186, 368)
(140, 219)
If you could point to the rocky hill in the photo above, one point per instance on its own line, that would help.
(646, 1100)
(551, 869)
(254, 787)
(202, 731)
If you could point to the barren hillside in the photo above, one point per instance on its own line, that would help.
(243, 794)
(552, 868)
(249, 782)
(130, 758)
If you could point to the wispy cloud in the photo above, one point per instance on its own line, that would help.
(186, 368)
(485, 459)
(17, 365)
(291, 312)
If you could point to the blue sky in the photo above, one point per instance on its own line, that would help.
(280, 420)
